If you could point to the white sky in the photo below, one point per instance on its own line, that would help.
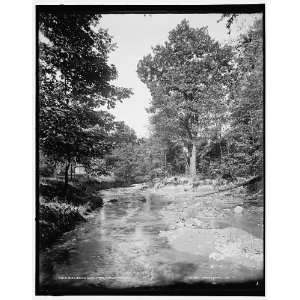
(135, 35)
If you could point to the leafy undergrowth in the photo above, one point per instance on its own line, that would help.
(59, 213)
(80, 192)
(55, 219)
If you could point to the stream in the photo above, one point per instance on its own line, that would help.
(120, 246)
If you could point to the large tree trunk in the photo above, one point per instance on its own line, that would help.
(220, 145)
(66, 178)
(186, 156)
(221, 153)
(186, 162)
(193, 162)
(71, 172)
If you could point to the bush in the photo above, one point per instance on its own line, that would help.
(79, 193)
(55, 219)
(58, 213)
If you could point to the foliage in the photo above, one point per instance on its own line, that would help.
(239, 151)
(206, 110)
(74, 81)
(208, 95)
(55, 219)
(46, 166)
(74, 50)
(188, 77)
(230, 18)
(122, 134)
(138, 161)
(245, 138)
(57, 213)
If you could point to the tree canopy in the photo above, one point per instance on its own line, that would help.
(206, 110)
(189, 78)
(75, 81)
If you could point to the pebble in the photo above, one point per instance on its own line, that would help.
(216, 256)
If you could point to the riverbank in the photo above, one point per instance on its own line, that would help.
(59, 213)
(223, 227)
(226, 228)
(146, 238)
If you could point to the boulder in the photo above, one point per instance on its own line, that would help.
(141, 198)
(216, 256)
(113, 200)
(95, 202)
(238, 209)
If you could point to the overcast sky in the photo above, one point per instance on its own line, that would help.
(135, 35)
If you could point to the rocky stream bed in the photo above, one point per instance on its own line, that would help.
(147, 238)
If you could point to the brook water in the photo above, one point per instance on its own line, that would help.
(120, 247)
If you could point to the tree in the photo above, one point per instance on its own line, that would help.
(74, 50)
(74, 81)
(74, 134)
(229, 20)
(246, 134)
(123, 135)
(189, 78)
(238, 152)
(136, 160)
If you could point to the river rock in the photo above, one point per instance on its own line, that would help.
(216, 256)
(113, 200)
(157, 185)
(144, 187)
(193, 222)
(95, 203)
(238, 209)
(141, 198)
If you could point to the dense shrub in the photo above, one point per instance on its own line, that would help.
(59, 213)
(55, 219)
(80, 192)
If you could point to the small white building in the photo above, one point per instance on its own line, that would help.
(79, 170)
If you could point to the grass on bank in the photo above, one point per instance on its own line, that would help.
(59, 213)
